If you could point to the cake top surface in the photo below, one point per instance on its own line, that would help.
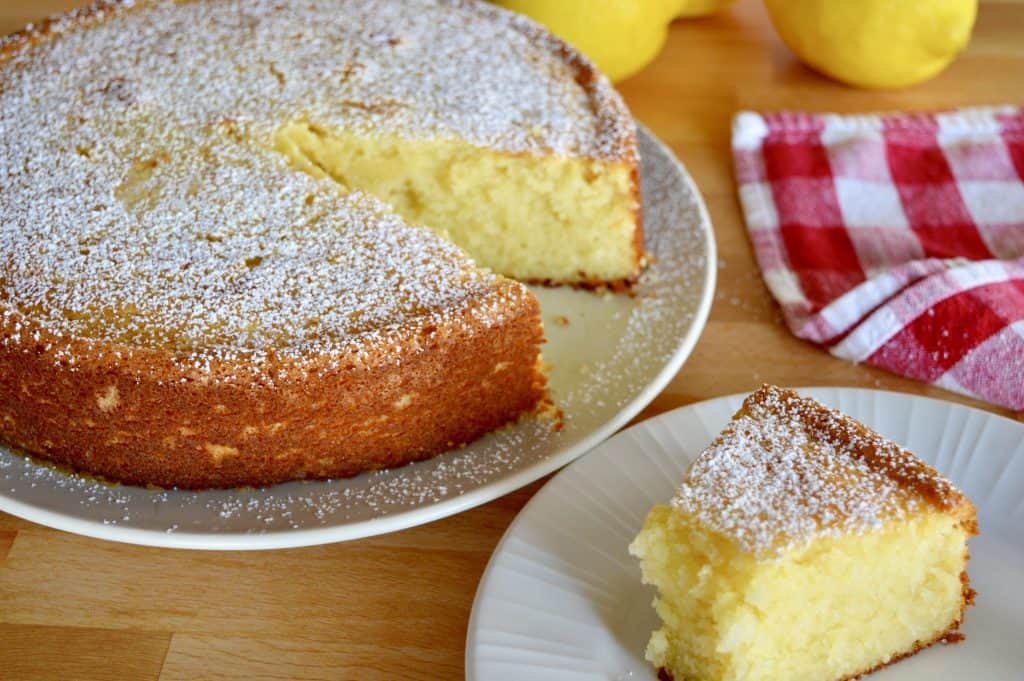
(418, 68)
(788, 469)
(142, 201)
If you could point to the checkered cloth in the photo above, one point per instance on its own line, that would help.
(895, 240)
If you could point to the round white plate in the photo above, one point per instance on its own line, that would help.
(562, 598)
(609, 356)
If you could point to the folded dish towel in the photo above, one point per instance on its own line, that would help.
(895, 240)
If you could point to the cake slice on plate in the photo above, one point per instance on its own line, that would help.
(803, 545)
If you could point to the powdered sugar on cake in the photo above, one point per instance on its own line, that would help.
(616, 372)
(788, 469)
(144, 205)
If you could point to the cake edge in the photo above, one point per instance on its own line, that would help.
(144, 417)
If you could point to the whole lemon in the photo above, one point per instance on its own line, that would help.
(619, 36)
(875, 43)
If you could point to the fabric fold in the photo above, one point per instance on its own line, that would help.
(895, 240)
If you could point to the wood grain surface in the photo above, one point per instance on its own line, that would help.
(397, 606)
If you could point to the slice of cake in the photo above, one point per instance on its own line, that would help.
(803, 545)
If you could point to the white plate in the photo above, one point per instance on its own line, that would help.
(614, 356)
(562, 599)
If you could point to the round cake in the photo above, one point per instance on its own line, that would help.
(213, 272)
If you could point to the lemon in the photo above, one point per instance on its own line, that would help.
(619, 36)
(875, 43)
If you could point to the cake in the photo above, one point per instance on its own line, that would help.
(803, 545)
(214, 271)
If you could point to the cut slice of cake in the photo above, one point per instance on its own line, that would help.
(803, 545)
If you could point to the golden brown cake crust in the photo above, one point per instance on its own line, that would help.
(138, 420)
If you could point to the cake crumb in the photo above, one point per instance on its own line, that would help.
(109, 400)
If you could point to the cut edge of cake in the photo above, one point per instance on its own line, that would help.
(549, 220)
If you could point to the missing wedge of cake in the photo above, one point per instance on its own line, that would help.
(803, 545)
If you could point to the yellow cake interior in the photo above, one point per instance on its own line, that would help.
(838, 606)
(552, 218)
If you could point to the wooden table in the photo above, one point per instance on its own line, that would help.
(396, 607)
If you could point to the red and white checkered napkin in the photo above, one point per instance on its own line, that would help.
(895, 240)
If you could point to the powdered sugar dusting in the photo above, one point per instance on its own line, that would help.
(144, 205)
(592, 382)
(788, 469)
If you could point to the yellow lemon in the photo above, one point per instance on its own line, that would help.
(619, 36)
(875, 43)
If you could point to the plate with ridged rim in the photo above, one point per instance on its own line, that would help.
(561, 597)
(609, 356)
